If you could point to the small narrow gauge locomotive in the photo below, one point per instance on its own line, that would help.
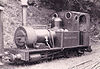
(70, 34)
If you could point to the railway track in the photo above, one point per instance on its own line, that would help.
(87, 65)
(92, 63)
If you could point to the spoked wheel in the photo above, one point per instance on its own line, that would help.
(80, 52)
(18, 62)
(89, 49)
(70, 53)
(52, 56)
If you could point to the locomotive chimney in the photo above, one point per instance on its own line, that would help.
(24, 11)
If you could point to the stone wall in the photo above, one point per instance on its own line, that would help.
(11, 18)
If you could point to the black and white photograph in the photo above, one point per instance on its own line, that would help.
(49, 34)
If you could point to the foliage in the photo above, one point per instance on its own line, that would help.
(57, 5)
(73, 5)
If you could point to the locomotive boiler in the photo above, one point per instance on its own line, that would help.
(70, 34)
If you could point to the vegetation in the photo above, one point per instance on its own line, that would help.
(89, 6)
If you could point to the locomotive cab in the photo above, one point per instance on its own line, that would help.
(77, 21)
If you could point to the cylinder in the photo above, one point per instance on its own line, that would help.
(35, 57)
(28, 37)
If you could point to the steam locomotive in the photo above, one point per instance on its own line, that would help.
(69, 34)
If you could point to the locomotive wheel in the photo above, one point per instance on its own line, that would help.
(80, 52)
(70, 53)
(89, 49)
(17, 62)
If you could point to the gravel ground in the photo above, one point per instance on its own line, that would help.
(86, 61)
